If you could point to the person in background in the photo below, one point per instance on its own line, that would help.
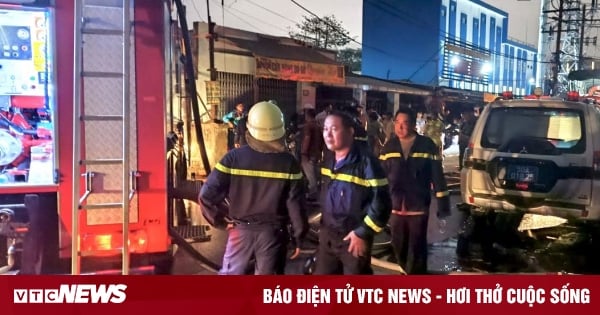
(355, 201)
(311, 150)
(421, 121)
(375, 135)
(239, 138)
(266, 193)
(413, 166)
(320, 118)
(232, 119)
(388, 126)
(434, 129)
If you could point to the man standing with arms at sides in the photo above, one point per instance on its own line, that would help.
(264, 185)
(413, 164)
(355, 201)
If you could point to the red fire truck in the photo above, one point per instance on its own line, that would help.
(85, 185)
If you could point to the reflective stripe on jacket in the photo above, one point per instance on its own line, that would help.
(355, 195)
(410, 178)
(263, 188)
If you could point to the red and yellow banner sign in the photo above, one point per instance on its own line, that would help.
(283, 69)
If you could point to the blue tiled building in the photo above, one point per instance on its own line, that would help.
(452, 43)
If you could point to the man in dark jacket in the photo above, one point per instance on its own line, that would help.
(355, 201)
(413, 165)
(264, 185)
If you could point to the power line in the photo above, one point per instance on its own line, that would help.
(274, 12)
(238, 17)
(335, 28)
(257, 19)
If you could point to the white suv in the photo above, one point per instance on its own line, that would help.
(535, 156)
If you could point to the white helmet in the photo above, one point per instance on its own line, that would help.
(265, 122)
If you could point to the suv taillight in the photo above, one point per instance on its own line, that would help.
(468, 153)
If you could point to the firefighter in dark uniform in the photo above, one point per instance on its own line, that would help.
(265, 187)
(355, 201)
(413, 165)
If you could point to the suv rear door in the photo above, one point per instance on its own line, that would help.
(540, 153)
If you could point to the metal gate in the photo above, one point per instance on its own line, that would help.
(235, 88)
(283, 92)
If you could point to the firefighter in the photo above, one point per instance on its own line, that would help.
(413, 165)
(435, 123)
(434, 128)
(355, 201)
(265, 187)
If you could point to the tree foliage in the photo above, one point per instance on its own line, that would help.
(352, 57)
(325, 32)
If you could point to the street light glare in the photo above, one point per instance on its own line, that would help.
(454, 61)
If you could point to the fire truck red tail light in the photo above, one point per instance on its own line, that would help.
(109, 243)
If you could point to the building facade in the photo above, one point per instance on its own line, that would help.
(460, 44)
(253, 67)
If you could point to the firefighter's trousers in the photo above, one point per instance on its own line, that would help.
(409, 239)
(333, 256)
(263, 244)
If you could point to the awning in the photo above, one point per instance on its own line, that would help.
(370, 83)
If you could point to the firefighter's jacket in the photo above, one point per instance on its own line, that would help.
(410, 178)
(262, 188)
(355, 195)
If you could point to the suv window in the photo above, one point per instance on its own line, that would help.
(563, 128)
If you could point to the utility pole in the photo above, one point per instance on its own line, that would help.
(566, 51)
(211, 45)
(557, 50)
(581, 36)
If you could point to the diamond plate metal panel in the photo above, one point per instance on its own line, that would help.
(103, 96)
(102, 53)
(103, 139)
(102, 16)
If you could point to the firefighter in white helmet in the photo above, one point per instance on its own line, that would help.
(265, 188)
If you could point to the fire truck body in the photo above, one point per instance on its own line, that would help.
(106, 150)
